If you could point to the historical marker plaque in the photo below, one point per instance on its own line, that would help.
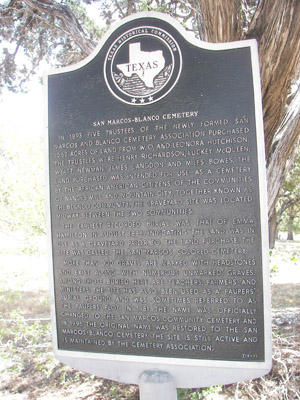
(157, 207)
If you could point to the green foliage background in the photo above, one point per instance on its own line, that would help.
(22, 194)
(288, 204)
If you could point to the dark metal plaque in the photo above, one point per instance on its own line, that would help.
(157, 199)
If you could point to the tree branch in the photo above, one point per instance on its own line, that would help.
(68, 19)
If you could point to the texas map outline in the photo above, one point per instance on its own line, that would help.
(145, 64)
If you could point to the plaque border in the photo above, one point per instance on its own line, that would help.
(186, 372)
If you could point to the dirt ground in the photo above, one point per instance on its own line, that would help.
(28, 369)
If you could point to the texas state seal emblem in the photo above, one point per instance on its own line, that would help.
(142, 65)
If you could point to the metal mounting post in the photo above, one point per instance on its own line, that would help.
(157, 385)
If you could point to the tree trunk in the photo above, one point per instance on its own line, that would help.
(272, 229)
(221, 20)
(276, 26)
(290, 235)
(292, 215)
(283, 155)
